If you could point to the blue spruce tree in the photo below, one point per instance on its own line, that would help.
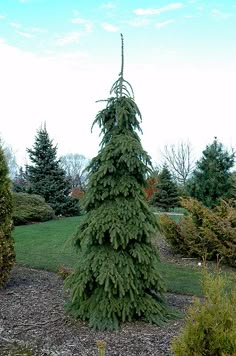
(47, 178)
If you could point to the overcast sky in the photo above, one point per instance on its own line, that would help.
(58, 57)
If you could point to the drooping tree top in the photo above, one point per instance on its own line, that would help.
(121, 114)
(117, 275)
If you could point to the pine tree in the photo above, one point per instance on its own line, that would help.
(117, 277)
(166, 196)
(7, 254)
(47, 178)
(212, 179)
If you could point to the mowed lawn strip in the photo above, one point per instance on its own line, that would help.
(47, 246)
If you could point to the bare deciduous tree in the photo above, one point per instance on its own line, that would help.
(180, 161)
(74, 165)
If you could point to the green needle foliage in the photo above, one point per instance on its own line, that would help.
(166, 196)
(212, 179)
(117, 278)
(7, 254)
(210, 325)
(47, 178)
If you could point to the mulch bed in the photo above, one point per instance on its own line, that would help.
(32, 313)
(32, 317)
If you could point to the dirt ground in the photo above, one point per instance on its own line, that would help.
(33, 321)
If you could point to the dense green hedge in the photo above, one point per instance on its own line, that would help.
(29, 208)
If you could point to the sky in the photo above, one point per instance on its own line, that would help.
(59, 57)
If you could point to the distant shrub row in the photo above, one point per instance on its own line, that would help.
(203, 231)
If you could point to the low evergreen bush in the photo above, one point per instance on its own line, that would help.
(210, 326)
(180, 235)
(203, 231)
(29, 208)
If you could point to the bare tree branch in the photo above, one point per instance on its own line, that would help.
(74, 165)
(179, 160)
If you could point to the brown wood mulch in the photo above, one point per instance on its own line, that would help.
(32, 318)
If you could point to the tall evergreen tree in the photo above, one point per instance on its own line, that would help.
(212, 179)
(47, 178)
(117, 276)
(7, 254)
(166, 195)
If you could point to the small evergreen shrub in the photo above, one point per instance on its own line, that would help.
(210, 327)
(7, 254)
(203, 232)
(181, 236)
(29, 208)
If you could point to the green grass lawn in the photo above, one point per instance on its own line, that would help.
(175, 217)
(47, 246)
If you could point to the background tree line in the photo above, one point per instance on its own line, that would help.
(208, 179)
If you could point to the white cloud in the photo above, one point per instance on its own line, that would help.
(109, 28)
(158, 11)
(72, 37)
(80, 21)
(15, 24)
(2, 16)
(109, 5)
(220, 15)
(25, 34)
(138, 22)
(164, 23)
(2, 40)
